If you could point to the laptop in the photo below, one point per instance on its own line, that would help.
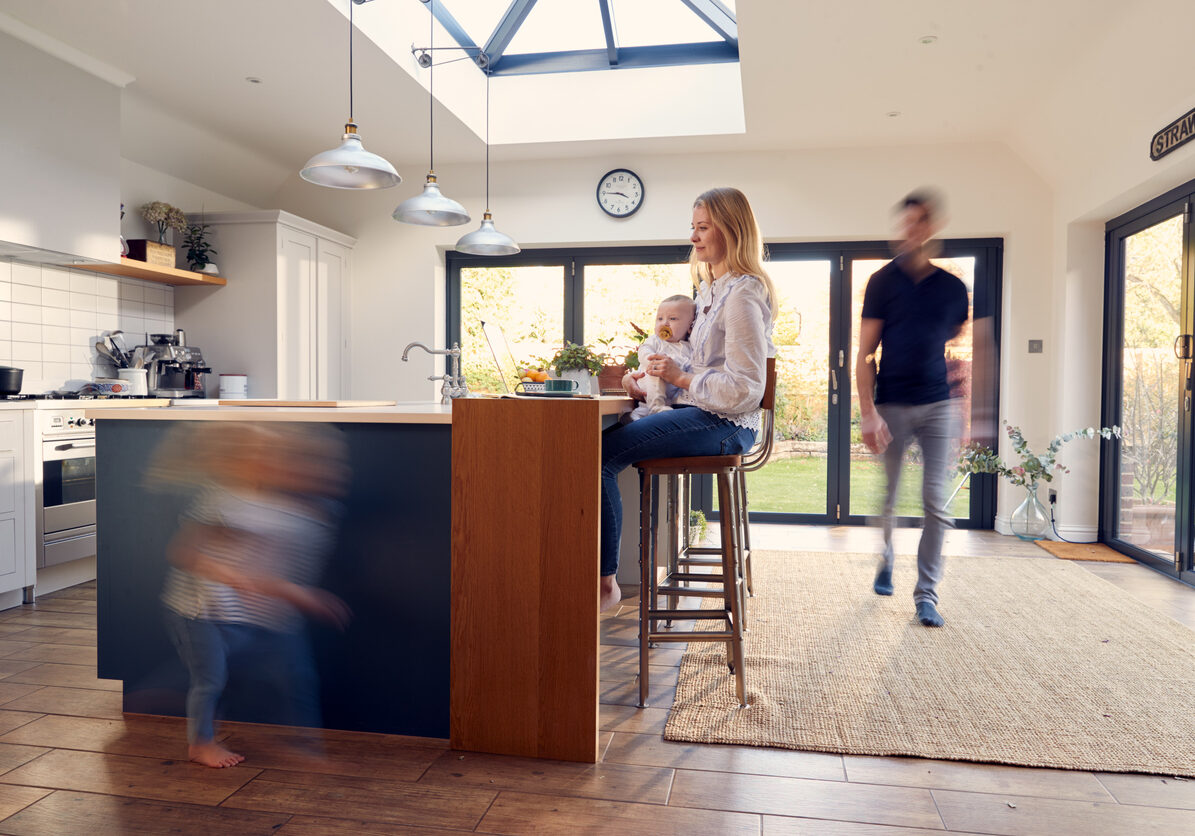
(504, 358)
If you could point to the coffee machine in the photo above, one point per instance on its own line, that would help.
(176, 370)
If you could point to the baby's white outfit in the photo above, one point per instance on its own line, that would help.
(661, 395)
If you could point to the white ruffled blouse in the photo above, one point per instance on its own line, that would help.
(732, 340)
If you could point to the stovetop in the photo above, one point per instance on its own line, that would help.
(73, 396)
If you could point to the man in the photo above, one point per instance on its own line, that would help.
(911, 309)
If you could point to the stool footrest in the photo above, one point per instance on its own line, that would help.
(695, 577)
(689, 592)
(685, 615)
(699, 561)
(691, 637)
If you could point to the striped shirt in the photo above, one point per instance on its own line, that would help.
(270, 534)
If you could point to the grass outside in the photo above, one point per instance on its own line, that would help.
(798, 485)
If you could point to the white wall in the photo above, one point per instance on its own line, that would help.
(140, 185)
(59, 169)
(1091, 138)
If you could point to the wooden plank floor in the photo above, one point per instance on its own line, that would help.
(71, 763)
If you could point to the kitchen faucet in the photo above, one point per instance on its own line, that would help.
(454, 382)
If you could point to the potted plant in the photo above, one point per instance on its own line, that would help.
(577, 362)
(616, 364)
(165, 217)
(199, 249)
(1030, 520)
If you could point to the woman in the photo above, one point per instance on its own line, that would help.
(717, 411)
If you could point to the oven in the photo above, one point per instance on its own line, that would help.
(64, 486)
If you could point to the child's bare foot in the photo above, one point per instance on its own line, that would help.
(610, 594)
(213, 754)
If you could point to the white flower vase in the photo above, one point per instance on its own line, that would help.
(583, 378)
(1030, 520)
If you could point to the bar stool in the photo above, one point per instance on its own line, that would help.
(728, 579)
(724, 564)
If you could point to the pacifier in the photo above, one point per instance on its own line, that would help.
(665, 332)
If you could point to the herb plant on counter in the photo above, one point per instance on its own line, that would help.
(575, 357)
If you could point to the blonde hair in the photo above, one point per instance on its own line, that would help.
(731, 215)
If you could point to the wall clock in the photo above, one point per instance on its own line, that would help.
(620, 193)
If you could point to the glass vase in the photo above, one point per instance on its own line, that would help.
(1030, 520)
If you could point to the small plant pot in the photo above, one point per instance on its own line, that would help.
(583, 378)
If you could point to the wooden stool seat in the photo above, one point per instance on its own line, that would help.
(690, 465)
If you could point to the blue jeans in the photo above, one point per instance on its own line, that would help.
(683, 431)
(281, 659)
(935, 426)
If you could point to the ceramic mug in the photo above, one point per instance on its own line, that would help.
(137, 380)
(561, 385)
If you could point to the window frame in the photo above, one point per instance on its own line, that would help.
(986, 300)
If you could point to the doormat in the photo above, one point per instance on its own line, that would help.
(1084, 551)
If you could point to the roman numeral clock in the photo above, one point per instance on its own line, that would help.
(620, 193)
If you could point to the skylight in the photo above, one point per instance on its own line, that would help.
(576, 70)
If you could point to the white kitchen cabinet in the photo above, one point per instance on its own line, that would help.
(282, 317)
(17, 555)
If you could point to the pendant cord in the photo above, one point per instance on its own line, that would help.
(351, 4)
(431, 104)
(487, 140)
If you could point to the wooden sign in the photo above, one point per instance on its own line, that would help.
(1179, 132)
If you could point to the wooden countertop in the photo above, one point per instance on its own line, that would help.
(403, 413)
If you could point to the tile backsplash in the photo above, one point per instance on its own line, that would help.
(51, 318)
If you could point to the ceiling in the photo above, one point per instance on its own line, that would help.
(815, 74)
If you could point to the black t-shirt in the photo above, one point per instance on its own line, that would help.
(919, 318)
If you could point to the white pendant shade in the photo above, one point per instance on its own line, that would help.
(486, 240)
(350, 166)
(431, 208)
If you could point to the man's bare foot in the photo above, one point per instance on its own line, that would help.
(610, 593)
(213, 754)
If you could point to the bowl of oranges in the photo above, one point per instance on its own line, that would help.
(531, 380)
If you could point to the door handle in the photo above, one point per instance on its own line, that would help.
(1182, 346)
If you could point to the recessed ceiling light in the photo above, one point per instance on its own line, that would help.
(926, 40)
(252, 79)
(892, 114)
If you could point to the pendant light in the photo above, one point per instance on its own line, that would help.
(349, 165)
(431, 208)
(486, 240)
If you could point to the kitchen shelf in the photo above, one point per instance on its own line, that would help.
(132, 269)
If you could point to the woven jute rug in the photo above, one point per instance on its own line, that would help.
(1041, 663)
(1084, 551)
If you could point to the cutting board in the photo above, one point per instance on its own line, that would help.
(324, 404)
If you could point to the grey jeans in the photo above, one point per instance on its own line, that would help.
(934, 427)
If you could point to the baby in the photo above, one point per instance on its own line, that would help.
(674, 321)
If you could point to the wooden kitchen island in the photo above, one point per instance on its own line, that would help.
(468, 552)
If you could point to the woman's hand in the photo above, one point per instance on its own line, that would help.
(631, 385)
(661, 366)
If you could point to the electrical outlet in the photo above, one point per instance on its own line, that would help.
(1053, 496)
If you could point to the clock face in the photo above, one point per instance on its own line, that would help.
(620, 193)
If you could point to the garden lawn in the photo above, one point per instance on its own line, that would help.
(798, 485)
